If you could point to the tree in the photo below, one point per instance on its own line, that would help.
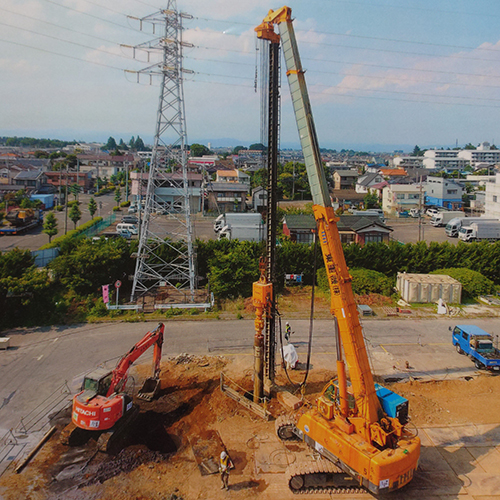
(110, 145)
(118, 196)
(92, 206)
(237, 149)
(469, 146)
(50, 225)
(132, 143)
(122, 145)
(257, 147)
(139, 144)
(417, 151)
(75, 189)
(75, 214)
(370, 200)
(198, 150)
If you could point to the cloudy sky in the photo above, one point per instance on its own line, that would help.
(382, 75)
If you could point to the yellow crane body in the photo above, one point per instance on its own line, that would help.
(349, 426)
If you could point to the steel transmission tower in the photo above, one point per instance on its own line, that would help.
(166, 258)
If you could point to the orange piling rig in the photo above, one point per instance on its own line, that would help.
(349, 426)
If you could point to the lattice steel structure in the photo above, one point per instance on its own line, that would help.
(166, 255)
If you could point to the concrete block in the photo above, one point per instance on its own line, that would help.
(4, 342)
(289, 400)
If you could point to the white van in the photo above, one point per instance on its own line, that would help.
(123, 226)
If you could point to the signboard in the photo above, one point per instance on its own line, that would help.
(118, 284)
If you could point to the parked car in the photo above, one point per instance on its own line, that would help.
(130, 219)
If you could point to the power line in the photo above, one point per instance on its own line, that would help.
(91, 15)
(365, 64)
(219, 83)
(365, 37)
(390, 79)
(63, 40)
(61, 55)
(57, 26)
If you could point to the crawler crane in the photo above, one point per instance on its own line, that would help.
(359, 428)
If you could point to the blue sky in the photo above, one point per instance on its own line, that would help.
(382, 75)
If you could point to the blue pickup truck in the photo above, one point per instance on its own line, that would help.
(478, 345)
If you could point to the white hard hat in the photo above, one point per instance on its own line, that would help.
(287, 323)
(223, 455)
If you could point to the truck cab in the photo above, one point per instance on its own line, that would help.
(478, 345)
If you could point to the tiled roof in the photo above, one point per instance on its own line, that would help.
(346, 222)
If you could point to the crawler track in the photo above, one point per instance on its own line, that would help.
(321, 476)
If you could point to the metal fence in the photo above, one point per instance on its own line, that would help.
(18, 440)
(43, 257)
(97, 228)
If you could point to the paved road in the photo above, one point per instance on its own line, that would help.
(42, 359)
(35, 238)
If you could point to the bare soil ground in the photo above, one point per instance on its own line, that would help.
(192, 420)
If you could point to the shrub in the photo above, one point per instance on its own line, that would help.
(473, 283)
(116, 209)
(71, 234)
(364, 281)
(125, 204)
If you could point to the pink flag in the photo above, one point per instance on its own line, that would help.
(105, 293)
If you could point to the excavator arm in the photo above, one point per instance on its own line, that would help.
(120, 373)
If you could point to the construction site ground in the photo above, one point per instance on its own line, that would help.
(178, 437)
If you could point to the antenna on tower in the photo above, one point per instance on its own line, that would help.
(165, 257)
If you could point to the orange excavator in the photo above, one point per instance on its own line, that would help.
(102, 404)
(358, 427)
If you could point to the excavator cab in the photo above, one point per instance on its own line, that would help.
(329, 401)
(96, 383)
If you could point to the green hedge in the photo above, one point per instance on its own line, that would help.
(71, 234)
(473, 283)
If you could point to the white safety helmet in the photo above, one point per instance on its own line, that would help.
(223, 455)
(287, 324)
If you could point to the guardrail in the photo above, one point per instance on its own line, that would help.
(17, 440)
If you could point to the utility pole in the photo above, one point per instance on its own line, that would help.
(152, 270)
(66, 204)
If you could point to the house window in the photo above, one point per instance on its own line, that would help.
(400, 196)
(494, 198)
(414, 196)
(347, 238)
(374, 238)
(452, 191)
(304, 237)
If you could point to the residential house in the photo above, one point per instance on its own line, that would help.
(226, 197)
(345, 179)
(444, 193)
(62, 178)
(401, 197)
(352, 229)
(233, 175)
(408, 162)
(259, 199)
(105, 165)
(393, 173)
(366, 181)
(169, 191)
(30, 180)
(492, 199)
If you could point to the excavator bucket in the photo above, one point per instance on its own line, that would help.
(150, 389)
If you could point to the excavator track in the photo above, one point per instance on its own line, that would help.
(284, 426)
(321, 476)
(116, 438)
